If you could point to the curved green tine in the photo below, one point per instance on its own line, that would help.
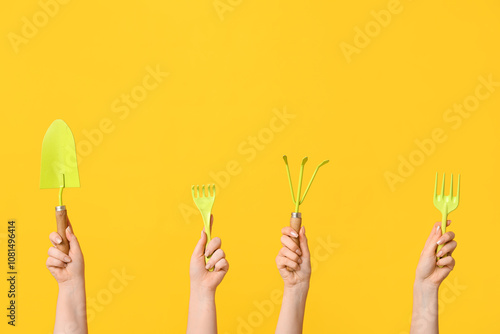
(289, 177)
(301, 175)
(312, 179)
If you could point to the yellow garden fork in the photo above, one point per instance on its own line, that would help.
(445, 204)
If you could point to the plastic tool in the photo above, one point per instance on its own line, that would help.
(205, 202)
(445, 204)
(296, 219)
(59, 169)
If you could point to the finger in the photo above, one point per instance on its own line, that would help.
(222, 265)
(448, 262)
(304, 246)
(285, 252)
(283, 262)
(53, 262)
(447, 237)
(74, 245)
(288, 230)
(216, 256)
(55, 238)
(287, 242)
(449, 248)
(430, 245)
(199, 249)
(56, 253)
(212, 246)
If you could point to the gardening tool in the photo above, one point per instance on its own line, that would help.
(296, 219)
(59, 169)
(445, 204)
(205, 202)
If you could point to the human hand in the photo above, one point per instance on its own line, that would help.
(429, 271)
(66, 269)
(202, 279)
(294, 257)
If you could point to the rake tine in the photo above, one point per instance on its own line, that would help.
(451, 186)
(289, 177)
(192, 191)
(197, 191)
(301, 175)
(442, 187)
(312, 179)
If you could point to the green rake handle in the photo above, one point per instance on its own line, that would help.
(444, 221)
(206, 223)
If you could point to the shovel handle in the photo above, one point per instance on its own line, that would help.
(295, 223)
(62, 225)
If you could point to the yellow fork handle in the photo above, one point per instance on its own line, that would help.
(444, 221)
(206, 222)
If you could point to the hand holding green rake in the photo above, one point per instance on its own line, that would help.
(445, 204)
(205, 202)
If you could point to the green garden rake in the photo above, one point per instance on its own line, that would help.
(445, 204)
(205, 202)
(296, 219)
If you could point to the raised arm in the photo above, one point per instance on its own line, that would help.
(294, 265)
(429, 276)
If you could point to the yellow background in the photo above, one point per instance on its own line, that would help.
(225, 79)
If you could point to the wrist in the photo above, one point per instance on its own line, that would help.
(202, 293)
(425, 287)
(299, 288)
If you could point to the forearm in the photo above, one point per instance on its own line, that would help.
(293, 307)
(424, 318)
(202, 317)
(71, 313)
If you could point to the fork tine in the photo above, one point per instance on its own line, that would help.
(451, 186)
(192, 191)
(197, 191)
(442, 187)
(213, 189)
(203, 191)
(435, 185)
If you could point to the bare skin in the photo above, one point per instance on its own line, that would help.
(69, 272)
(429, 276)
(296, 281)
(202, 317)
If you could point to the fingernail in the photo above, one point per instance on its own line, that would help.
(67, 259)
(294, 234)
(437, 229)
(304, 229)
(58, 240)
(69, 229)
(201, 232)
(300, 260)
(298, 251)
(440, 253)
(208, 266)
(440, 241)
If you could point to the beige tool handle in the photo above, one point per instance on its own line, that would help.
(62, 225)
(295, 223)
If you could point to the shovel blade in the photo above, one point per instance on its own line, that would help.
(59, 166)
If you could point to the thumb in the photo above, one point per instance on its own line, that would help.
(304, 246)
(74, 245)
(199, 249)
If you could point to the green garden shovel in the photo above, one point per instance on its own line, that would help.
(59, 169)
